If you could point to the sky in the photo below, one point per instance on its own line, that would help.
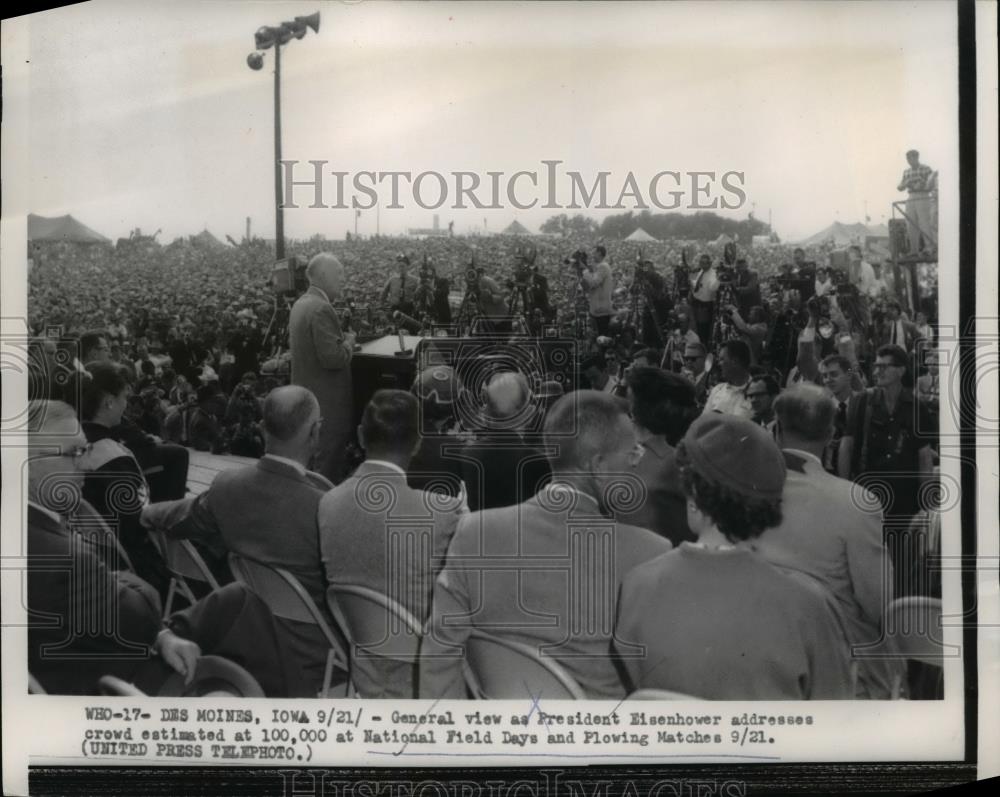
(146, 115)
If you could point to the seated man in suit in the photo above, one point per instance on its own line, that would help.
(267, 512)
(551, 566)
(714, 619)
(435, 465)
(377, 532)
(85, 620)
(825, 532)
(499, 468)
(662, 406)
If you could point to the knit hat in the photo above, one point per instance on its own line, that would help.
(735, 453)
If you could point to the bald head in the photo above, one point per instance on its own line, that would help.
(506, 394)
(326, 272)
(289, 414)
(805, 416)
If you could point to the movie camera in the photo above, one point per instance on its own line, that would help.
(288, 277)
(578, 260)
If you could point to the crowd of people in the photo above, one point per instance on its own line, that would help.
(748, 439)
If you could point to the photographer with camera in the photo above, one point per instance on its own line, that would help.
(599, 284)
(752, 331)
(746, 287)
(657, 307)
(401, 288)
(704, 288)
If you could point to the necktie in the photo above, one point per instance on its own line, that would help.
(697, 284)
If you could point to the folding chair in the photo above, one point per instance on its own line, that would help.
(113, 685)
(911, 624)
(184, 563)
(501, 669)
(375, 625)
(288, 599)
(214, 676)
(659, 694)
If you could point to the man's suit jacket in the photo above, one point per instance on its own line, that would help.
(910, 334)
(550, 576)
(377, 532)
(501, 470)
(321, 362)
(265, 512)
(72, 638)
(825, 534)
(664, 509)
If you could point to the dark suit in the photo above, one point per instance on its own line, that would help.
(394, 547)
(664, 509)
(84, 621)
(501, 470)
(265, 512)
(552, 567)
(321, 362)
(885, 333)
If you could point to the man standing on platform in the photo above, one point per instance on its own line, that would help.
(918, 181)
(321, 361)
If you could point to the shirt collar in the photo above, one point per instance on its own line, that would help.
(555, 487)
(320, 292)
(286, 461)
(383, 463)
(800, 453)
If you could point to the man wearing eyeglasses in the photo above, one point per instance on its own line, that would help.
(695, 369)
(888, 440)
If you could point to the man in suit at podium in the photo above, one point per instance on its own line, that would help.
(321, 361)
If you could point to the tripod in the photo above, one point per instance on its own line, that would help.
(468, 311)
(582, 309)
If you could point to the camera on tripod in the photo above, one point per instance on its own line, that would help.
(578, 260)
(288, 277)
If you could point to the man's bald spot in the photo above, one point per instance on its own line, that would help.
(288, 411)
(507, 393)
(324, 268)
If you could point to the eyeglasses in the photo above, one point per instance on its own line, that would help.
(691, 359)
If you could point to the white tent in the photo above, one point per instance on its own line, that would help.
(641, 236)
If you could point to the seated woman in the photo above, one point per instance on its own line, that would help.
(114, 484)
(713, 620)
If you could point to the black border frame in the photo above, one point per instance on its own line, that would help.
(785, 779)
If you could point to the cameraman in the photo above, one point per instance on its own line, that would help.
(599, 284)
(539, 294)
(704, 287)
(746, 287)
(753, 331)
(658, 305)
(491, 296)
(401, 287)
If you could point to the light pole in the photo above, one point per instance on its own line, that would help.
(265, 38)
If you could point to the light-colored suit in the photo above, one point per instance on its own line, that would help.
(321, 362)
(826, 534)
(545, 573)
(377, 532)
(265, 512)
